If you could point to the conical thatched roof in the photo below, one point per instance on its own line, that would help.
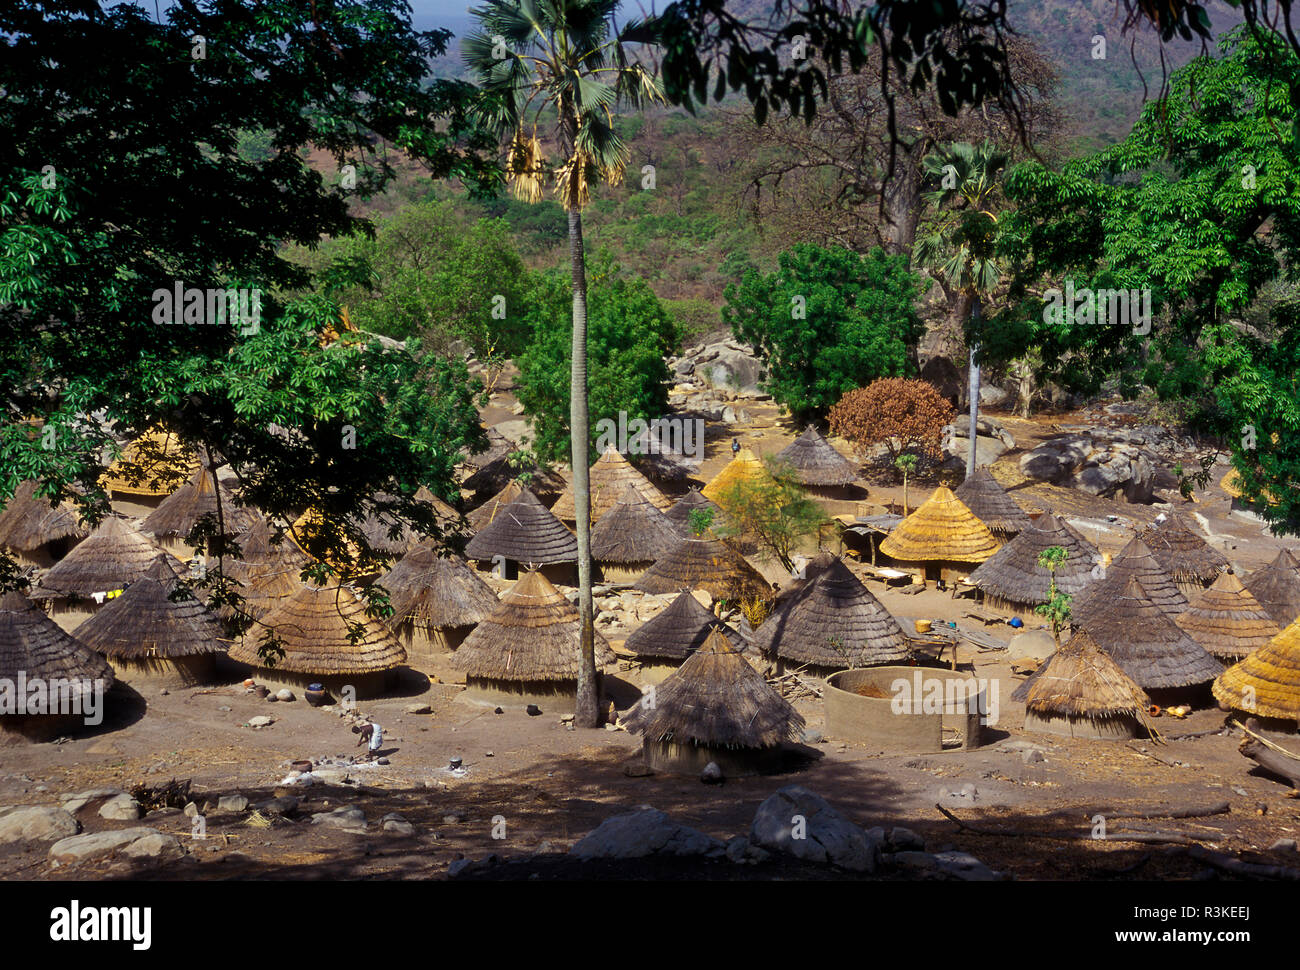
(31, 642)
(436, 591)
(1277, 588)
(115, 555)
(941, 529)
(269, 573)
(1184, 555)
(678, 631)
(1134, 561)
(499, 472)
(155, 464)
(610, 477)
(524, 531)
(816, 462)
(181, 510)
(1081, 680)
(533, 635)
(744, 467)
(680, 514)
(716, 699)
(834, 621)
(1270, 676)
(1226, 620)
(633, 531)
(1013, 573)
(704, 563)
(482, 516)
(146, 621)
(1145, 641)
(985, 496)
(313, 626)
(28, 521)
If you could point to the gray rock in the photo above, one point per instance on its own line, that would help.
(1032, 757)
(284, 694)
(95, 845)
(156, 845)
(75, 803)
(347, 818)
(1283, 845)
(282, 805)
(737, 847)
(712, 773)
(394, 824)
(191, 809)
(331, 776)
(643, 833)
(948, 865)
(802, 824)
(811, 736)
(260, 721)
(120, 808)
(457, 867)
(905, 840)
(36, 823)
(232, 803)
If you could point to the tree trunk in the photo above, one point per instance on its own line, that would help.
(587, 710)
(974, 383)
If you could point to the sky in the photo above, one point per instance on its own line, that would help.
(451, 14)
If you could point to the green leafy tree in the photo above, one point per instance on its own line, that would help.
(568, 57)
(629, 335)
(772, 512)
(1057, 607)
(907, 465)
(827, 321)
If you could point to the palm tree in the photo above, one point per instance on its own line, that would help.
(958, 245)
(569, 57)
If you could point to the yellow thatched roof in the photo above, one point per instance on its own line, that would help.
(155, 464)
(611, 474)
(1232, 485)
(944, 529)
(1271, 674)
(745, 467)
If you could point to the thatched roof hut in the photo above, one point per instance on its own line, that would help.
(1145, 641)
(1226, 620)
(745, 467)
(525, 532)
(157, 631)
(715, 707)
(37, 532)
(1267, 683)
(1011, 579)
(148, 470)
(610, 477)
(528, 650)
(630, 537)
(942, 530)
(705, 563)
(33, 646)
(313, 627)
(1277, 588)
(816, 462)
(680, 514)
(269, 573)
(482, 517)
(678, 631)
(436, 600)
(177, 515)
(1134, 561)
(499, 472)
(1082, 692)
(833, 622)
(984, 495)
(1186, 557)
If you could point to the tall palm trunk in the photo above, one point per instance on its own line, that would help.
(974, 383)
(586, 710)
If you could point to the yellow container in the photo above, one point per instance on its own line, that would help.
(923, 626)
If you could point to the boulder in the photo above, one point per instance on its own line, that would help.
(347, 818)
(232, 803)
(992, 441)
(394, 824)
(800, 823)
(643, 833)
(260, 721)
(729, 365)
(75, 803)
(947, 865)
(35, 823)
(120, 808)
(1099, 462)
(96, 845)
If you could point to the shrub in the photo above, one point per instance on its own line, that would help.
(901, 414)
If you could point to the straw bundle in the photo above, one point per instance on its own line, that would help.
(943, 529)
(1227, 621)
(985, 496)
(816, 462)
(313, 627)
(1134, 561)
(678, 631)
(1184, 555)
(745, 468)
(633, 531)
(1269, 677)
(833, 622)
(1081, 680)
(153, 619)
(30, 641)
(154, 465)
(29, 521)
(1277, 588)
(526, 532)
(708, 564)
(436, 591)
(1012, 575)
(680, 514)
(114, 556)
(1146, 642)
(610, 477)
(533, 635)
(716, 699)
(181, 511)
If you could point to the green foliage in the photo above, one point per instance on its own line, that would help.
(773, 512)
(629, 333)
(1057, 607)
(700, 521)
(827, 321)
(693, 319)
